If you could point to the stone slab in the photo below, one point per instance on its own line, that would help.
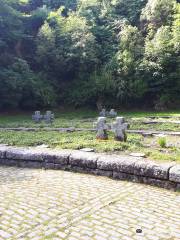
(82, 170)
(24, 154)
(87, 149)
(30, 164)
(174, 174)
(142, 155)
(117, 163)
(103, 173)
(126, 176)
(60, 157)
(83, 159)
(49, 165)
(177, 187)
(160, 183)
(145, 180)
(21, 163)
(61, 167)
(2, 151)
(8, 162)
(151, 169)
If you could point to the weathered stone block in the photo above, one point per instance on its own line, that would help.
(105, 173)
(2, 161)
(177, 186)
(174, 174)
(58, 157)
(20, 163)
(83, 159)
(152, 169)
(126, 176)
(49, 166)
(24, 154)
(29, 164)
(61, 167)
(159, 183)
(8, 162)
(82, 169)
(3, 151)
(117, 163)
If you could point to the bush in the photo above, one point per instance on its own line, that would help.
(162, 142)
(20, 87)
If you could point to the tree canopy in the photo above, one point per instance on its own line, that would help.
(118, 53)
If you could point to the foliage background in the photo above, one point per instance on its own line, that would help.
(115, 53)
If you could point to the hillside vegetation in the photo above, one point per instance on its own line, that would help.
(118, 53)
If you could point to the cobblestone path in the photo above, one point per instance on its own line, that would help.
(40, 205)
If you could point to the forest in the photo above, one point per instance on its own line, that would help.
(89, 53)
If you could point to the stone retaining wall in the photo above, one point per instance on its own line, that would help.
(135, 169)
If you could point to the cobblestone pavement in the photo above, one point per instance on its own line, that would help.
(39, 205)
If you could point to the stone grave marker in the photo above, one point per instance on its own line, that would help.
(119, 127)
(102, 128)
(49, 117)
(112, 113)
(37, 117)
(103, 113)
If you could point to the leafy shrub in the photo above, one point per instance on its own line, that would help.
(162, 142)
(20, 87)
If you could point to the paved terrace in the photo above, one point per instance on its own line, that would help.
(48, 204)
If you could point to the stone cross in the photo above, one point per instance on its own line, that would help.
(102, 128)
(103, 113)
(49, 117)
(112, 113)
(119, 128)
(37, 117)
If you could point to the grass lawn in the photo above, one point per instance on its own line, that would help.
(85, 119)
(78, 140)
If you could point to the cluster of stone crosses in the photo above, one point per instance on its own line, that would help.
(112, 113)
(48, 117)
(119, 127)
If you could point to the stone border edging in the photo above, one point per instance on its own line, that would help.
(72, 129)
(156, 122)
(135, 169)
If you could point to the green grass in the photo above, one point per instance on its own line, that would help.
(144, 114)
(62, 119)
(168, 126)
(78, 140)
(85, 119)
(162, 142)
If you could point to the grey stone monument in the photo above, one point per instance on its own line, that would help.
(119, 128)
(49, 117)
(37, 117)
(112, 113)
(103, 113)
(102, 128)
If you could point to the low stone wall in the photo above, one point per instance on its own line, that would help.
(135, 169)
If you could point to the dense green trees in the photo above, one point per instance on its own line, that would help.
(89, 52)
